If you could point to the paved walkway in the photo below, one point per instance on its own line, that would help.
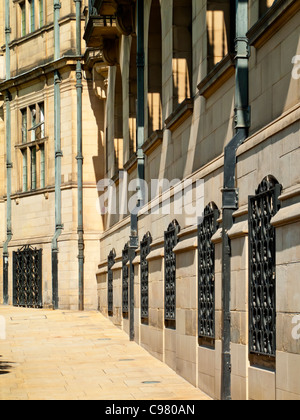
(52, 355)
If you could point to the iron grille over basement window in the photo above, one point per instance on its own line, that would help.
(171, 240)
(262, 265)
(206, 272)
(125, 277)
(111, 262)
(145, 251)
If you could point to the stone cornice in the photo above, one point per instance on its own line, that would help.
(42, 71)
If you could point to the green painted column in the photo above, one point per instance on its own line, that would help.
(8, 157)
(79, 158)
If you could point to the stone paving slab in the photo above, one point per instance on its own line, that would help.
(61, 355)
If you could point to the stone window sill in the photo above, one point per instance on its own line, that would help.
(153, 142)
(31, 193)
(222, 72)
(180, 115)
(276, 17)
(31, 143)
(131, 164)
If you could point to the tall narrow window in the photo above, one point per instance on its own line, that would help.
(155, 69)
(24, 179)
(42, 154)
(220, 30)
(132, 97)
(171, 240)
(182, 50)
(145, 251)
(41, 13)
(32, 147)
(41, 120)
(125, 280)
(110, 288)
(206, 272)
(33, 167)
(264, 6)
(262, 268)
(24, 125)
(118, 121)
(31, 16)
(23, 18)
(33, 123)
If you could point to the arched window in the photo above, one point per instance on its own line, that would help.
(110, 287)
(155, 69)
(145, 251)
(182, 50)
(206, 272)
(171, 240)
(262, 267)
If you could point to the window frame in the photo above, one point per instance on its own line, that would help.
(32, 147)
(268, 194)
(206, 268)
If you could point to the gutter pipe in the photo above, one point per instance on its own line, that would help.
(9, 164)
(134, 240)
(79, 159)
(58, 156)
(230, 192)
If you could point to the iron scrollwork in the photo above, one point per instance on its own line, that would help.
(27, 277)
(206, 272)
(111, 263)
(145, 250)
(262, 266)
(125, 279)
(171, 240)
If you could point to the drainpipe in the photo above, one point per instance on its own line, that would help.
(230, 192)
(134, 240)
(8, 157)
(79, 158)
(58, 156)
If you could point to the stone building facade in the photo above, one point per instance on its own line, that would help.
(213, 71)
(27, 88)
(205, 96)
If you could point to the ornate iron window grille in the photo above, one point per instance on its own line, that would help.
(27, 277)
(171, 240)
(262, 268)
(125, 279)
(145, 251)
(110, 275)
(206, 272)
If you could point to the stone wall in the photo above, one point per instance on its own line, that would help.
(191, 148)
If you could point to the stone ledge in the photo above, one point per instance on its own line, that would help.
(289, 193)
(220, 74)
(286, 216)
(131, 164)
(217, 237)
(277, 16)
(238, 230)
(186, 245)
(157, 254)
(117, 266)
(153, 142)
(102, 271)
(180, 115)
